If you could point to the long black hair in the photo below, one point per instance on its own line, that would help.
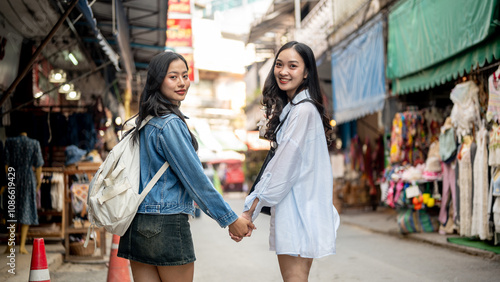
(152, 101)
(275, 99)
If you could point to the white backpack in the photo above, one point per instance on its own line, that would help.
(113, 197)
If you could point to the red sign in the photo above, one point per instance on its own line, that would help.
(179, 6)
(179, 33)
(190, 61)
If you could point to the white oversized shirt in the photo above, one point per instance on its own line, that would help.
(298, 185)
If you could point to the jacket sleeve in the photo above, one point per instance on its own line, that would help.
(284, 168)
(175, 145)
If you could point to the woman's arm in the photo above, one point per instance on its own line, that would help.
(175, 144)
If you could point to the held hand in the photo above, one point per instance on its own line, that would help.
(235, 238)
(246, 215)
(241, 227)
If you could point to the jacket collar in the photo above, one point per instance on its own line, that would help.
(304, 94)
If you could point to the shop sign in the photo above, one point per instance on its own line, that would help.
(179, 33)
(190, 61)
(179, 6)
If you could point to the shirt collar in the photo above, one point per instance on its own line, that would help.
(304, 94)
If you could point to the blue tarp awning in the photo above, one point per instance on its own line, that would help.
(85, 9)
(358, 73)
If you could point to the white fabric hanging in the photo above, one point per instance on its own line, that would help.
(465, 184)
(465, 111)
(480, 225)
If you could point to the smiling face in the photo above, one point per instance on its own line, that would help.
(289, 71)
(176, 83)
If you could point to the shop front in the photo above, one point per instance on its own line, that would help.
(359, 91)
(59, 120)
(442, 161)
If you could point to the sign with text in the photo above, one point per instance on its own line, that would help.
(179, 33)
(179, 6)
(190, 61)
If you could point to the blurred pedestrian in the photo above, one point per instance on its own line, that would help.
(297, 182)
(158, 243)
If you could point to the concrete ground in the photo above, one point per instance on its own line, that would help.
(382, 221)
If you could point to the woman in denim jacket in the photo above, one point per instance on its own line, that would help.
(158, 243)
(297, 183)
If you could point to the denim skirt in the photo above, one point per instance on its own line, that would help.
(159, 240)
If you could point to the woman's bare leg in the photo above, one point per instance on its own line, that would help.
(177, 273)
(294, 269)
(144, 272)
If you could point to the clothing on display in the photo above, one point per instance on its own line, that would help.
(53, 185)
(493, 113)
(449, 189)
(433, 118)
(480, 224)
(496, 219)
(396, 139)
(494, 146)
(432, 168)
(494, 203)
(465, 180)
(23, 153)
(447, 143)
(408, 138)
(79, 192)
(465, 111)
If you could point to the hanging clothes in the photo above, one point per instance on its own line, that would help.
(433, 119)
(396, 154)
(493, 112)
(449, 189)
(23, 153)
(56, 190)
(480, 224)
(494, 146)
(494, 203)
(465, 111)
(465, 182)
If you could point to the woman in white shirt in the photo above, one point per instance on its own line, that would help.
(297, 183)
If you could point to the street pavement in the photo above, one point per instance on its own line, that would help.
(220, 259)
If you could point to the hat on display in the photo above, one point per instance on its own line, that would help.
(433, 162)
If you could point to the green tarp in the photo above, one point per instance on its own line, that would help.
(423, 33)
(452, 68)
(431, 42)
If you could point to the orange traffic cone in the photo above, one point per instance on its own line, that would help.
(119, 270)
(39, 270)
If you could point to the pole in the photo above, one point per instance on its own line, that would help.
(18, 79)
(297, 14)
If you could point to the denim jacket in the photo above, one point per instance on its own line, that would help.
(167, 138)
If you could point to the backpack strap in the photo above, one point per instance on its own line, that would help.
(145, 121)
(153, 181)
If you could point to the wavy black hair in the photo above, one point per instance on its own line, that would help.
(152, 101)
(275, 99)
